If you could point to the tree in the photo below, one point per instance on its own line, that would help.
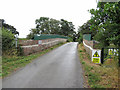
(46, 25)
(54, 26)
(9, 27)
(42, 25)
(32, 33)
(67, 28)
(106, 20)
(104, 25)
(85, 29)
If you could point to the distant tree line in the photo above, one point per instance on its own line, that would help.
(104, 25)
(45, 25)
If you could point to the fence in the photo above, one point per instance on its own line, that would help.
(48, 36)
(90, 47)
(109, 53)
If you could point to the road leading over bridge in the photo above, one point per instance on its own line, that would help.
(59, 68)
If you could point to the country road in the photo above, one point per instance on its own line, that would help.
(59, 68)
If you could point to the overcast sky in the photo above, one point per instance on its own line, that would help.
(22, 13)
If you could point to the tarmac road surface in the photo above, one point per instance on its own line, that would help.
(59, 68)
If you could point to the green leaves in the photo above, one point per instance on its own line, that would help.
(106, 21)
(104, 25)
(45, 25)
(7, 39)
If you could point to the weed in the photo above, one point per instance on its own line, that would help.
(83, 62)
(93, 78)
(91, 68)
(51, 48)
(81, 51)
(87, 68)
(88, 56)
(98, 86)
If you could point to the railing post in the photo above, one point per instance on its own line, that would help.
(102, 55)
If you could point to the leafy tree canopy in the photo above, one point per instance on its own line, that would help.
(104, 24)
(45, 25)
(9, 27)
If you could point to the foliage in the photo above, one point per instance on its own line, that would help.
(67, 28)
(70, 40)
(45, 25)
(7, 39)
(8, 44)
(104, 25)
(80, 39)
(106, 20)
(31, 35)
(85, 29)
(9, 27)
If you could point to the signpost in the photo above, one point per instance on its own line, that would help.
(113, 52)
(96, 56)
(40, 42)
(116, 52)
(110, 52)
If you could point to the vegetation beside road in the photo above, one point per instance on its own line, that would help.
(98, 76)
(104, 25)
(13, 63)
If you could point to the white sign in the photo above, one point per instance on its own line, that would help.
(96, 56)
(110, 51)
(116, 52)
(40, 42)
(113, 52)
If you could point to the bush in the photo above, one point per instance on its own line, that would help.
(8, 45)
(20, 51)
(70, 40)
(7, 39)
(83, 62)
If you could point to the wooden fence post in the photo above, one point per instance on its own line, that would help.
(102, 55)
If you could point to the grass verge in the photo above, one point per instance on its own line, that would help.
(10, 64)
(98, 76)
